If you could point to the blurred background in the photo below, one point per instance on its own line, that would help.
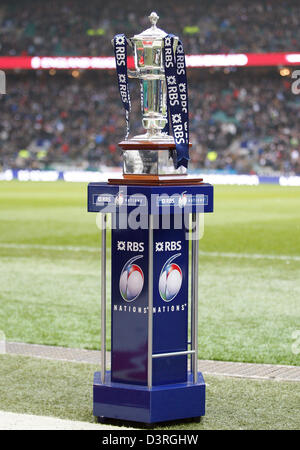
(62, 119)
(243, 119)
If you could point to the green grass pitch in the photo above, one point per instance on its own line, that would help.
(42, 387)
(248, 281)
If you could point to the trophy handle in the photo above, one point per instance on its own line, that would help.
(133, 73)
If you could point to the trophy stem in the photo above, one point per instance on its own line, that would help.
(154, 105)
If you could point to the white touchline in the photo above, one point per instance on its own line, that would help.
(96, 249)
(58, 248)
(17, 421)
(251, 256)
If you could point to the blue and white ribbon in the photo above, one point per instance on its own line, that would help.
(177, 98)
(120, 49)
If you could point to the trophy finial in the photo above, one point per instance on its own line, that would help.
(153, 19)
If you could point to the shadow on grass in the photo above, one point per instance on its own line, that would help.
(147, 426)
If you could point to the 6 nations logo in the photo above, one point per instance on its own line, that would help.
(170, 279)
(131, 280)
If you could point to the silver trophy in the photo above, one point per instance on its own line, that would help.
(149, 69)
(151, 153)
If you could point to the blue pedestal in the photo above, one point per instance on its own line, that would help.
(140, 404)
(150, 289)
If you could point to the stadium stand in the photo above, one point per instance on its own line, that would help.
(45, 28)
(242, 120)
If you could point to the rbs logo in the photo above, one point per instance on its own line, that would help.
(168, 246)
(130, 246)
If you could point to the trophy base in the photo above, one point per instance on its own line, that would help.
(148, 161)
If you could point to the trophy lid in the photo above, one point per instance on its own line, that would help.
(153, 33)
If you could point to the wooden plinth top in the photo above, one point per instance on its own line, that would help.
(147, 145)
(156, 180)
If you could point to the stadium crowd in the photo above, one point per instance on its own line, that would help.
(241, 122)
(74, 27)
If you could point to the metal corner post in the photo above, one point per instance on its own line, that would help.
(150, 301)
(103, 297)
(194, 293)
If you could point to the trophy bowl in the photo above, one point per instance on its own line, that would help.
(149, 69)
